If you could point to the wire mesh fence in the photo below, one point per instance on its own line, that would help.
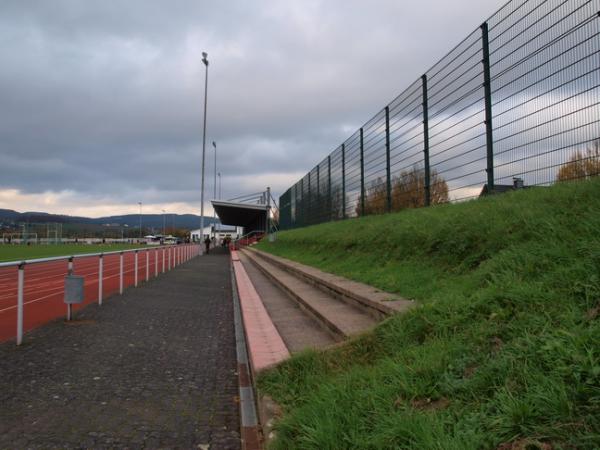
(515, 104)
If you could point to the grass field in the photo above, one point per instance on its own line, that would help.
(21, 252)
(503, 351)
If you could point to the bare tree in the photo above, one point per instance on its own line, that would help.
(582, 164)
(375, 198)
(409, 189)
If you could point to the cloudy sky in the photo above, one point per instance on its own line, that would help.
(101, 103)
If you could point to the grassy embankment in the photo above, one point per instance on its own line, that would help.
(504, 351)
(9, 252)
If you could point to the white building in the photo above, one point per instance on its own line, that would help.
(219, 231)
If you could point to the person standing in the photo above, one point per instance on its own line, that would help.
(207, 244)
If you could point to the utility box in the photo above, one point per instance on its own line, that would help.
(73, 289)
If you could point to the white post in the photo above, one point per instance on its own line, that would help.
(163, 268)
(155, 262)
(21, 284)
(135, 278)
(70, 272)
(121, 273)
(147, 264)
(100, 275)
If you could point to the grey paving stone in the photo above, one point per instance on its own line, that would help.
(154, 368)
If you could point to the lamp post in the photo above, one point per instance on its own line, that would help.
(215, 190)
(219, 175)
(164, 222)
(205, 61)
(215, 181)
(140, 203)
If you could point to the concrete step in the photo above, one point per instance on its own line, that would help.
(377, 303)
(298, 329)
(341, 319)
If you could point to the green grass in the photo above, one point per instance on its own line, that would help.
(503, 349)
(21, 252)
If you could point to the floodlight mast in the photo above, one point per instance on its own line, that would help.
(219, 196)
(215, 190)
(205, 61)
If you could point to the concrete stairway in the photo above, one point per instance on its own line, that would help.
(342, 307)
(297, 328)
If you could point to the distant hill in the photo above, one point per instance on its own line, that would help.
(185, 221)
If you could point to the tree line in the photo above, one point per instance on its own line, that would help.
(408, 190)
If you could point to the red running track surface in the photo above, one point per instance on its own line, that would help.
(43, 294)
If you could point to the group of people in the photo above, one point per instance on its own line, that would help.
(208, 242)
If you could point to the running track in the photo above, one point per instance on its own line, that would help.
(43, 295)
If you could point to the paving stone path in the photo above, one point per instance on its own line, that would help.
(154, 368)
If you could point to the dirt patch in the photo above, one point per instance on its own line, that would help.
(269, 412)
(428, 404)
(469, 371)
(593, 313)
(525, 444)
(496, 344)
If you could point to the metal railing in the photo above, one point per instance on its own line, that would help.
(247, 239)
(516, 103)
(105, 273)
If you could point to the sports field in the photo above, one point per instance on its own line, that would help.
(43, 287)
(21, 252)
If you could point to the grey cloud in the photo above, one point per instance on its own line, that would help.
(105, 98)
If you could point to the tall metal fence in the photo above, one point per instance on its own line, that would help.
(515, 104)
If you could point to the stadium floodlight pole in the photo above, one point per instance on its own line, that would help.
(219, 196)
(215, 190)
(205, 61)
(215, 187)
(140, 203)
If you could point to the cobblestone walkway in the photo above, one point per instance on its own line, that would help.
(154, 368)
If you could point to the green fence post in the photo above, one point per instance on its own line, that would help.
(487, 86)
(426, 142)
(310, 213)
(329, 199)
(362, 175)
(344, 181)
(319, 202)
(302, 204)
(387, 159)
